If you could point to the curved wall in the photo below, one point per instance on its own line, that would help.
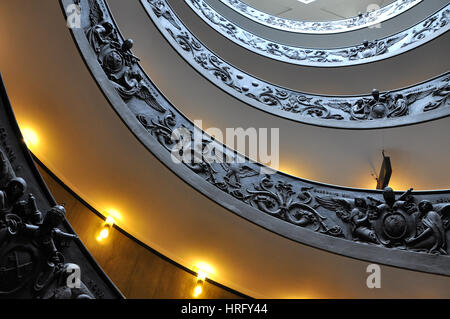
(136, 269)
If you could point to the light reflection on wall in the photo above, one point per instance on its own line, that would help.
(30, 136)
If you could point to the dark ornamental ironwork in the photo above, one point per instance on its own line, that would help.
(363, 20)
(40, 255)
(405, 106)
(368, 51)
(409, 230)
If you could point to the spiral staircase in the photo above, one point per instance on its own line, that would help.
(107, 101)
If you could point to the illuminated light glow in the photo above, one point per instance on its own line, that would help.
(198, 290)
(201, 275)
(203, 270)
(113, 214)
(104, 233)
(110, 220)
(29, 136)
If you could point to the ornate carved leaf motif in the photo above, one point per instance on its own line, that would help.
(390, 221)
(96, 14)
(370, 51)
(144, 94)
(293, 104)
(362, 21)
(162, 129)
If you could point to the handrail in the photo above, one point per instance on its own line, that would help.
(369, 225)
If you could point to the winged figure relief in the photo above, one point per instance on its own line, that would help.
(354, 212)
(236, 171)
(440, 98)
(144, 94)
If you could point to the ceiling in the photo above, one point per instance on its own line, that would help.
(318, 10)
(84, 143)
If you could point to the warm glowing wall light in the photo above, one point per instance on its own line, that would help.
(104, 233)
(198, 289)
(201, 275)
(204, 268)
(29, 136)
(106, 228)
(113, 213)
(109, 220)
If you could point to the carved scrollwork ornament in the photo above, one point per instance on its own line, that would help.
(382, 109)
(324, 216)
(363, 20)
(394, 222)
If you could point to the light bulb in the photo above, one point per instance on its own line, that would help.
(104, 233)
(198, 289)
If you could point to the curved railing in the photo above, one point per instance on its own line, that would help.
(363, 20)
(40, 254)
(407, 230)
(369, 51)
(419, 103)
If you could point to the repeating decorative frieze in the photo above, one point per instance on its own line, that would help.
(363, 20)
(368, 51)
(412, 221)
(298, 106)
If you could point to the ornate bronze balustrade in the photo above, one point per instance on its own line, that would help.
(415, 104)
(408, 229)
(363, 20)
(369, 51)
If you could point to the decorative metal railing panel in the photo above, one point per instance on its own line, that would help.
(40, 255)
(363, 20)
(369, 51)
(419, 103)
(407, 230)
